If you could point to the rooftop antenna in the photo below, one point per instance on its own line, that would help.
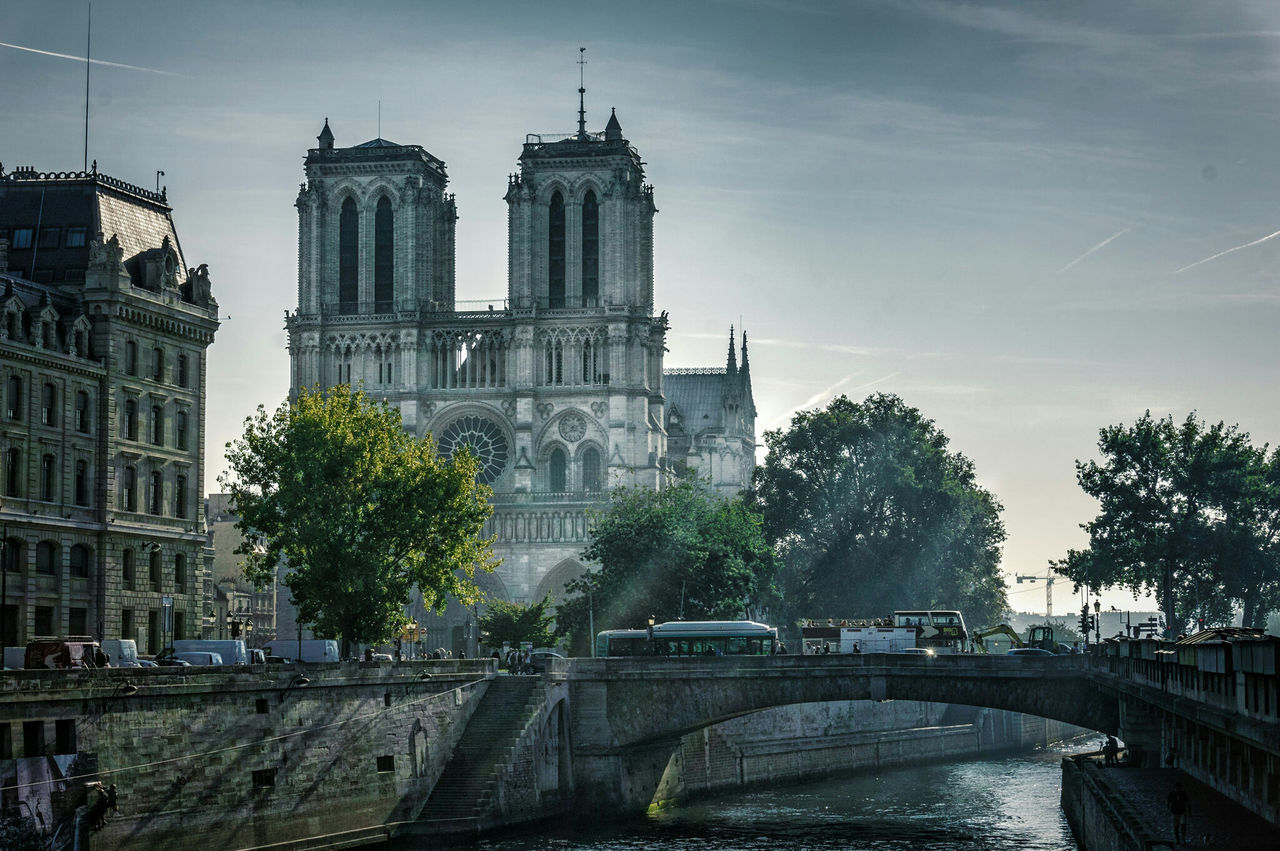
(379, 119)
(88, 45)
(582, 90)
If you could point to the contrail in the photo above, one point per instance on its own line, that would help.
(824, 393)
(91, 61)
(1102, 244)
(1228, 251)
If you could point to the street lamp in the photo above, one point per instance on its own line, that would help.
(653, 647)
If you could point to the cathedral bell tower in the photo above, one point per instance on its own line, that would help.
(581, 223)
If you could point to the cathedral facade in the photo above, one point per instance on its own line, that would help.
(559, 390)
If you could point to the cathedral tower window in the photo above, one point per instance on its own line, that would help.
(554, 362)
(557, 466)
(348, 257)
(555, 252)
(383, 256)
(592, 481)
(590, 250)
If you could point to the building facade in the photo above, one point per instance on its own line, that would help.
(560, 389)
(103, 340)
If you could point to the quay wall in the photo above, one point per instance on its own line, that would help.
(290, 756)
(814, 740)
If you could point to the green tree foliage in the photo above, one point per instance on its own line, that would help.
(359, 512)
(870, 513)
(678, 553)
(513, 623)
(1190, 512)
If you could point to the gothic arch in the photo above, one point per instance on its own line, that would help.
(557, 577)
(492, 586)
(551, 187)
(373, 191)
(588, 183)
(551, 432)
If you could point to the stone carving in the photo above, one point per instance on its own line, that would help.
(106, 256)
(600, 408)
(429, 408)
(544, 409)
(573, 426)
(509, 407)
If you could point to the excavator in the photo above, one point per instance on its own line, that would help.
(1040, 636)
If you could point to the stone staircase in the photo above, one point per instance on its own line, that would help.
(465, 790)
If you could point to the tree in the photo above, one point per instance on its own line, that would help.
(870, 513)
(514, 623)
(359, 512)
(681, 553)
(1190, 512)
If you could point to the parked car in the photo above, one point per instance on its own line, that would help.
(540, 659)
(1029, 651)
(382, 657)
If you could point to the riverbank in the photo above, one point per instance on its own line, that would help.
(1125, 807)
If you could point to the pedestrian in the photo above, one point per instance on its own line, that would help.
(112, 800)
(857, 648)
(1178, 806)
(1110, 750)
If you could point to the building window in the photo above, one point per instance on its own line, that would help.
(80, 558)
(75, 237)
(386, 763)
(157, 492)
(154, 568)
(183, 377)
(348, 257)
(128, 572)
(13, 555)
(82, 412)
(555, 251)
(180, 429)
(179, 626)
(49, 405)
(22, 237)
(50, 237)
(48, 477)
(383, 256)
(78, 621)
(157, 425)
(556, 468)
(130, 419)
(157, 364)
(590, 250)
(47, 558)
(126, 624)
(44, 624)
(82, 483)
(13, 472)
(180, 497)
(130, 357)
(591, 479)
(129, 489)
(13, 397)
(180, 572)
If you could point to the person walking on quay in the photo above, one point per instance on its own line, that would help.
(1110, 751)
(1178, 805)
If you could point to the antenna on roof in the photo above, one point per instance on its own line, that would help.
(379, 119)
(582, 90)
(87, 64)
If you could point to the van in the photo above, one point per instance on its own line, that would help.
(15, 658)
(61, 653)
(198, 657)
(121, 652)
(307, 650)
(233, 651)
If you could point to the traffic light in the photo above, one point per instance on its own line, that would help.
(1084, 621)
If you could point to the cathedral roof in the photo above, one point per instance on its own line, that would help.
(697, 396)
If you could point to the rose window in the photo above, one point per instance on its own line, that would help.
(486, 440)
(572, 427)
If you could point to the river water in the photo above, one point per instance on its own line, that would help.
(998, 804)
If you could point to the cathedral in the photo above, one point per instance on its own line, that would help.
(560, 390)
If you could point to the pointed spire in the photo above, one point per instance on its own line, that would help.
(582, 91)
(612, 130)
(733, 356)
(326, 137)
(746, 365)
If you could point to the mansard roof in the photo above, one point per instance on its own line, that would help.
(697, 395)
(140, 219)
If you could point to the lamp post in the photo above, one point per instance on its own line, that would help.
(1097, 621)
(653, 645)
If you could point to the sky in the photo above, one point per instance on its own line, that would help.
(1030, 220)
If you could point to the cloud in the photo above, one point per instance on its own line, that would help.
(826, 393)
(91, 61)
(1228, 251)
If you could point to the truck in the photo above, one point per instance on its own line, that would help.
(857, 637)
(306, 650)
(72, 652)
(232, 650)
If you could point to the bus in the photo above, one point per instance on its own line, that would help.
(942, 631)
(691, 638)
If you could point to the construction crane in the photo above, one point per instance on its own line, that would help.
(1048, 590)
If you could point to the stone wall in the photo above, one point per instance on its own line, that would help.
(247, 757)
